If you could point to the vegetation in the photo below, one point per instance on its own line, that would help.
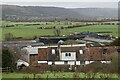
(116, 42)
(57, 31)
(29, 30)
(7, 58)
(60, 75)
(9, 36)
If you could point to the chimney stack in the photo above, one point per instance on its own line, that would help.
(58, 45)
(59, 49)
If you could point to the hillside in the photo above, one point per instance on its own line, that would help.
(98, 12)
(13, 12)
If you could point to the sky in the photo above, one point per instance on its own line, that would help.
(59, 0)
(65, 3)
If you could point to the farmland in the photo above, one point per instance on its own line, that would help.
(59, 75)
(31, 29)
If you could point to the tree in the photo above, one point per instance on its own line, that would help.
(6, 58)
(57, 31)
(9, 36)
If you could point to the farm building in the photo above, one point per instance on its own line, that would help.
(48, 40)
(22, 43)
(91, 36)
(97, 40)
(61, 55)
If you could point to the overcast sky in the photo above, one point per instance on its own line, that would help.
(65, 3)
(59, 0)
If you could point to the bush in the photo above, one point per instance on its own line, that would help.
(115, 42)
(9, 36)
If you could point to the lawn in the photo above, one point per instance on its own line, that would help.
(32, 30)
(59, 75)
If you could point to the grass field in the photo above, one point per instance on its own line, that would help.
(59, 75)
(32, 30)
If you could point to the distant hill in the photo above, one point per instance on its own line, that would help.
(14, 12)
(98, 12)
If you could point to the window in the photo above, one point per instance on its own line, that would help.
(65, 62)
(53, 51)
(104, 51)
(53, 63)
(67, 54)
(91, 57)
(82, 62)
(81, 51)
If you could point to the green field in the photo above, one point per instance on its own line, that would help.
(30, 31)
(59, 75)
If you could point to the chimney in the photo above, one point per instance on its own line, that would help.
(58, 45)
(59, 49)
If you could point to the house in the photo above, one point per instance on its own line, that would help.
(60, 55)
(33, 55)
(74, 55)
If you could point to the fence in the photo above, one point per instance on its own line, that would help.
(7, 69)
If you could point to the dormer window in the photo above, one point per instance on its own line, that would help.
(53, 51)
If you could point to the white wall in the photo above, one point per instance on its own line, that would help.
(39, 62)
(50, 63)
(87, 62)
(107, 62)
(71, 62)
(66, 58)
(63, 62)
(59, 62)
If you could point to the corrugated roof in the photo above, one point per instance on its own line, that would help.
(97, 40)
